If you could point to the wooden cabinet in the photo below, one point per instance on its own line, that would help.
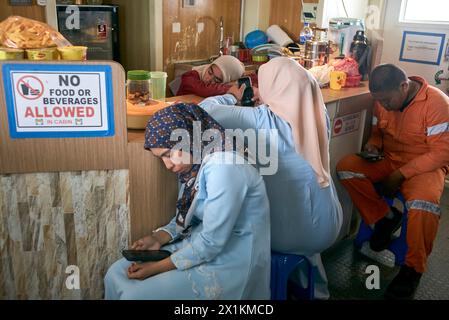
(33, 12)
(287, 14)
(199, 28)
(193, 33)
(134, 33)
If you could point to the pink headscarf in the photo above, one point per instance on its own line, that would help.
(231, 68)
(293, 94)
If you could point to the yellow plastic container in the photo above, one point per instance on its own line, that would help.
(11, 54)
(46, 54)
(75, 53)
(338, 80)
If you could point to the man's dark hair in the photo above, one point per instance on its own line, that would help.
(386, 77)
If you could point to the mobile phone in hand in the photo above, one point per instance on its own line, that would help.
(372, 157)
(248, 94)
(145, 255)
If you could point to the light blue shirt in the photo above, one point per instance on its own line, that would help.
(305, 218)
(226, 256)
(230, 237)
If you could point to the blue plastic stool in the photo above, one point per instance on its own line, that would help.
(399, 245)
(282, 266)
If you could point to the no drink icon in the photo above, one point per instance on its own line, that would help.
(30, 87)
(28, 91)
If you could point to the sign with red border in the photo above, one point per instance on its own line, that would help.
(346, 124)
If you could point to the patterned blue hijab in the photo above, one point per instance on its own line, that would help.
(158, 134)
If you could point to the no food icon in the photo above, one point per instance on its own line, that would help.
(30, 87)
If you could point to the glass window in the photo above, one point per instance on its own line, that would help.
(428, 11)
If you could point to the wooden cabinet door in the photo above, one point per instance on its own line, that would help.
(33, 12)
(199, 27)
(287, 14)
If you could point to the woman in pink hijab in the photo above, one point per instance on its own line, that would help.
(306, 215)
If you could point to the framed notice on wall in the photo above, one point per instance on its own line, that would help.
(59, 101)
(20, 2)
(422, 47)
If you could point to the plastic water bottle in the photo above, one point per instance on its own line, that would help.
(306, 34)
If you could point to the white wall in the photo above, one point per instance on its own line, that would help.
(335, 9)
(375, 21)
(256, 15)
(157, 35)
(375, 18)
(393, 34)
(50, 14)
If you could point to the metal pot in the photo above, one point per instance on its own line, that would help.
(310, 63)
(317, 51)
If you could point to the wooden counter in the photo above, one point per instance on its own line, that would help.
(330, 95)
(138, 136)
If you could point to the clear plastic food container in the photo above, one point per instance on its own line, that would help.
(139, 87)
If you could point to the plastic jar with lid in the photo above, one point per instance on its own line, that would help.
(139, 87)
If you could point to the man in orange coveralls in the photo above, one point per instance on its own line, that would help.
(411, 130)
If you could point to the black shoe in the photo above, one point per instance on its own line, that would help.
(384, 230)
(404, 285)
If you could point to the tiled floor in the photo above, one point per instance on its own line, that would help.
(346, 268)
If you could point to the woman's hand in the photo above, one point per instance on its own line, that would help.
(237, 92)
(232, 83)
(153, 242)
(257, 99)
(142, 271)
(147, 243)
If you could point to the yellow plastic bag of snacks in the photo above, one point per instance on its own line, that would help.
(23, 33)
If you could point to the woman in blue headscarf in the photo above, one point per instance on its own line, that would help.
(220, 236)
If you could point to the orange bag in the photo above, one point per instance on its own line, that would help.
(23, 33)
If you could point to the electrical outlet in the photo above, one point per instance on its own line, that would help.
(20, 2)
(200, 27)
(189, 3)
(309, 12)
(176, 27)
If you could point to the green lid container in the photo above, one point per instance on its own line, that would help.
(139, 75)
(158, 75)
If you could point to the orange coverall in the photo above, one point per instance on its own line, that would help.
(415, 141)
